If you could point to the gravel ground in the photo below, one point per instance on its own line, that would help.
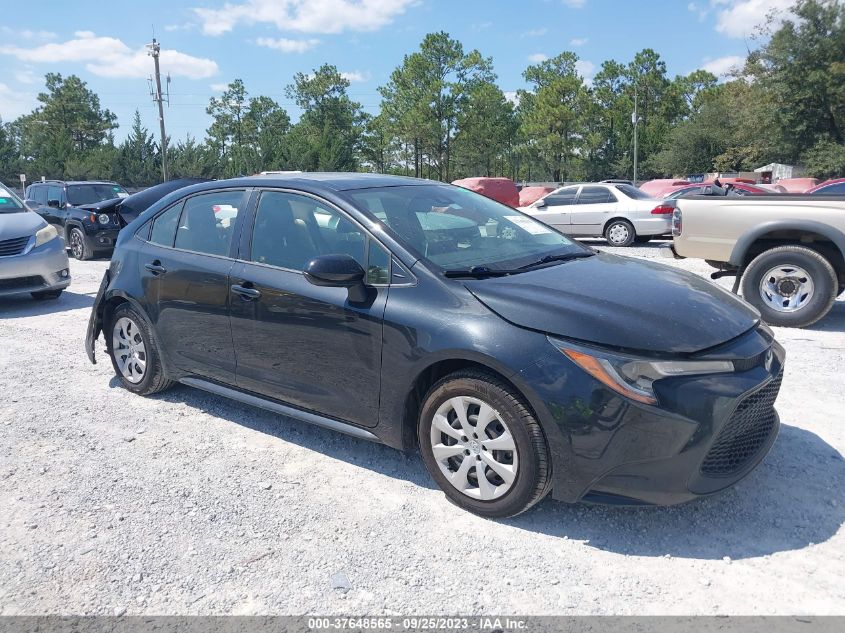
(189, 503)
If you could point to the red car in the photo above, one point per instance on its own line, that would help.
(660, 186)
(832, 187)
(499, 189)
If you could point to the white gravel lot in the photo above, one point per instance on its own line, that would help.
(189, 503)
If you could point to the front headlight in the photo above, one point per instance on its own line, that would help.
(44, 235)
(632, 376)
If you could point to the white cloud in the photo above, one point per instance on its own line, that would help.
(355, 76)
(512, 96)
(578, 41)
(586, 69)
(306, 16)
(575, 4)
(184, 26)
(26, 34)
(26, 76)
(287, 46)
(14, 103)
(540, 32)
(536, 58)
(222, 87)
(743, 18)
(723, 65)
(110, 57)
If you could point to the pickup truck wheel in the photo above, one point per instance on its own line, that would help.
(620, 233)
(791, 286)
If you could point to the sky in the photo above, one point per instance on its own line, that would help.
(208, 43)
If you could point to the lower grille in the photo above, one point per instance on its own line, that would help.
(21, 282)
(744, 433)
(14, 246)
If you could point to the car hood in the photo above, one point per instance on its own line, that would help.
(14, 225)
(619, 302)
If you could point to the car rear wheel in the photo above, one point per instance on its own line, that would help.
(620, 233)
(78, 248)
(791, 286)
(483, 446)
(134, 353)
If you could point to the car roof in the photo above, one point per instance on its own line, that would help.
(336, 181)
(74, 182)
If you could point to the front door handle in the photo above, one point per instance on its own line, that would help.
(245, 292)
(155, 268)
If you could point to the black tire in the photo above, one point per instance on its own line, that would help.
(78, 247)
(534, 471)
(618, 224)
(643, 239)
(819, 270)
(46, 294)
(154, 379)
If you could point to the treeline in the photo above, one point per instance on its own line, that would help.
(443, 116)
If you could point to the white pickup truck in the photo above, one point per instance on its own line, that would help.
(787, 251)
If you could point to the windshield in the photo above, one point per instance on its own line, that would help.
(9, 202)
(89, 193)
(633, 192)
(454, 228)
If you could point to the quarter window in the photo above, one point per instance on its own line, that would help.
(291, 229)
(208, 222)
(39, 194)
(54, 193)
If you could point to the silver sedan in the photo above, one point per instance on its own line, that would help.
(32, 257)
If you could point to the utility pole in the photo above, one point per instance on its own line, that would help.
(155, 51)
(635, 120)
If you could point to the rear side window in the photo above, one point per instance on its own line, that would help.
(562, 197)
(164, 226)
(208, 221)
(54, 192)
(595, 195)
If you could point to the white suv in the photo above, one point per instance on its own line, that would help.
(620, 213)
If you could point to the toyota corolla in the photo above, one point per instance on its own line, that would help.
(428, 317)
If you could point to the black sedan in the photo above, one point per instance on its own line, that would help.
(424, 315)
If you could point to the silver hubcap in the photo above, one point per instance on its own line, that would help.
(786, 288)
(618, 234)
(129, 351)
(474, 448)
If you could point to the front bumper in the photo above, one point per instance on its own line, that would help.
(102, 240)
(707, 433)
(39, 270)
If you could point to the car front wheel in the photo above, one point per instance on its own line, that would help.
(483, 446)
(620, 233)
(134, 353)
(791, 286)
(78, 248)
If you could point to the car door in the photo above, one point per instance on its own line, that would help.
(299, 343)
(556, 208)
(185, 270)
(56, 209)
(594, 206)
(37, 196)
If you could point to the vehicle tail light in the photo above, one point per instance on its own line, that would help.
(663, 209)
(677, 222)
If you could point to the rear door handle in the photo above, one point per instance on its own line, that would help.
(155, 268)
(245, 292)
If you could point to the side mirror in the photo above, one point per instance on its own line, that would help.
(540, 203)
(338, 271)
(55, 204)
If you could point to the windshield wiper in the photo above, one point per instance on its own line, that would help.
(481, 272)
(557, 258)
